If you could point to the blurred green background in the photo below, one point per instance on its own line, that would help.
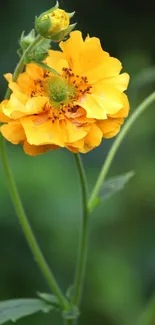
(120, 277)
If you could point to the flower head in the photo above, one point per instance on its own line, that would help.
(75, 108)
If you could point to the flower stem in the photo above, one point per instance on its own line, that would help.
(27, 228)
(81, 262)
(140, 109)
(18, 204)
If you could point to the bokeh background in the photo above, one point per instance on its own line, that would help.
(120, 279)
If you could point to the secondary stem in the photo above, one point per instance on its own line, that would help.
(140, 109)
(81, 262)
(20, 65)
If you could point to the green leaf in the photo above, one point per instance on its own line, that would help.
(113, 185)
(50, 299)
(12, 310)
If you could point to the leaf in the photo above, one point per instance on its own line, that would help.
(113, 185)
(50, 299)
(18, 308)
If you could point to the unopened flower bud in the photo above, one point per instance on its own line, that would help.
(54, 23)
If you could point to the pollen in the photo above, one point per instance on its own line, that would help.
(79, 82)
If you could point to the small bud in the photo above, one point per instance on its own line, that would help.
(25, 41)
(54, 23)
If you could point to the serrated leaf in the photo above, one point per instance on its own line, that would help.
(12, 310)
(113, 185)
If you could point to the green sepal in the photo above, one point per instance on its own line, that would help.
(42, 26)
(61, 35)
(50, 10)
(71, 14)
(25, 41)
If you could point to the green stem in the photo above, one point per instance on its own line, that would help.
(27, 228)
(17, 202)
(20, 65)
(140, 109)
(81, 262)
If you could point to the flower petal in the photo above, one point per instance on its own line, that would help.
(92, 139)
(26, 82)
(110, 67)
(56, 60)
(37, 150)
(8, 76)
(34, 71)
(14, 86)
(72, 132)
(13, 132)
(125, 110)
(108, 97)
(19, 105)
(15, 107)
(3, 117)
(92, 107)
(36, 105)
(91, 49)
(120, 82)
(43, 133)
(110, 127)
(72, 49)
(75, 146)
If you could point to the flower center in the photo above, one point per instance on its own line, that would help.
(59, 91)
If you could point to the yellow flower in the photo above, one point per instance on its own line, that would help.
(74, 109)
